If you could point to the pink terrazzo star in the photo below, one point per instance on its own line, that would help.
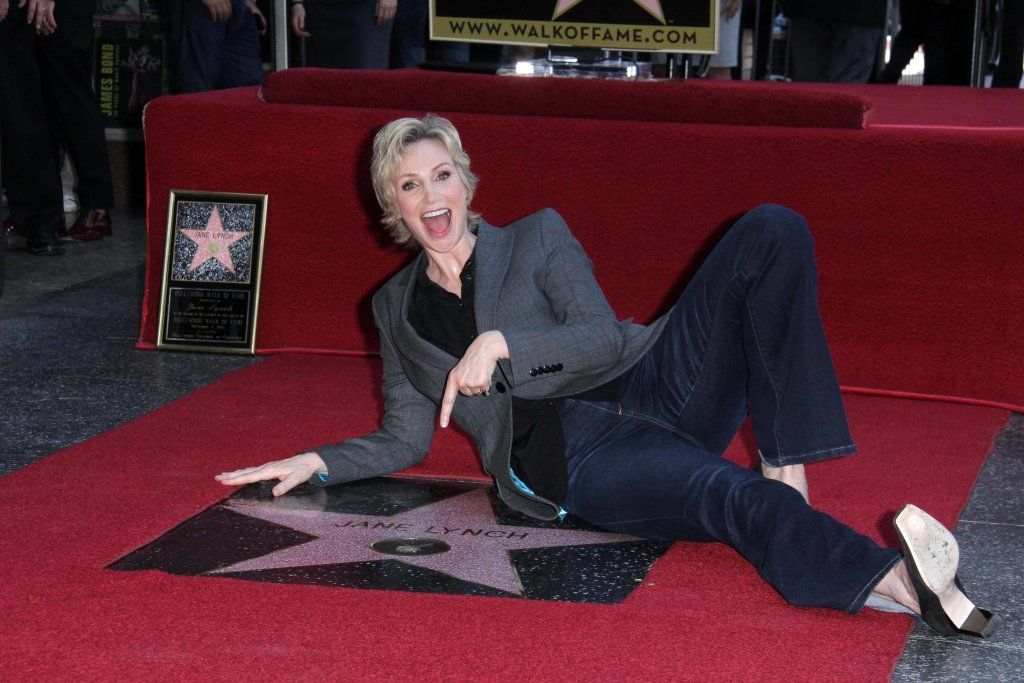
(652, 6)
(479, 545)
(212, 242)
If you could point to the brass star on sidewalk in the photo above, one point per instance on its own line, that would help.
(456, 536)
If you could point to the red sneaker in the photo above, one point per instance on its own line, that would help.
(92, 226)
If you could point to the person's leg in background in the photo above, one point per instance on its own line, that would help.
(328, 45)
(947, 47)
(172, 15)
(209, 54)
(911, 35)
(197, 44)
(241, 64)
(937, 57)
(809, 46)
(853, 52)
(1011, 54)
(68, 182)
(65, 59)
(374, 38)
(347, 35)
(409, 34)
(30, 176)
(722, 62)
(449, 52)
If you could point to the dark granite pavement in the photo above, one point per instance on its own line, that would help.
(991, 538)
(69, 369)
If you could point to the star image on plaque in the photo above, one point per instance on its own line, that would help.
(393, 533)
(213, 254)
(213, 242)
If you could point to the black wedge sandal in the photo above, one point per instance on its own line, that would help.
(931, 554)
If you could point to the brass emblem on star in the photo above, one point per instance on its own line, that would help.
(410, 546)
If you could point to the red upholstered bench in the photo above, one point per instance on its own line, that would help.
(916, 208)
(694, 101)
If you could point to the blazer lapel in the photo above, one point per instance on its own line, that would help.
(411, 345)
(493, 251)
(493, 254)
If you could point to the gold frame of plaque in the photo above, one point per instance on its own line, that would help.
(213, 265)
(642, 25)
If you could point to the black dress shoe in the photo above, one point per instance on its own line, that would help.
(47, 248)
(932, 555)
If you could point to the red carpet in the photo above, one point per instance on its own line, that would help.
(701, 613)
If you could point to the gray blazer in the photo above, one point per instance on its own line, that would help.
(536, 286)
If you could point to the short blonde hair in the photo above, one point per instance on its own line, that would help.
(390, 144)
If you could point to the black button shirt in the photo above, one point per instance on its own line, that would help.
(538, 444)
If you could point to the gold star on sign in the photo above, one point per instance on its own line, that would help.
(652, 6)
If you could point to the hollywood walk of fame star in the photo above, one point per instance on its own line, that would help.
(478, 546)
(213, 242)
(652, 6)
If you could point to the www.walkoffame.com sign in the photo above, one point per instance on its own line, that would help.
(649, 25)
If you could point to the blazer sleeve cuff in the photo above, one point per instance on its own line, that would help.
(531, 355)
(327, 453)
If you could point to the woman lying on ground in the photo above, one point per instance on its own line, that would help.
(620, 424)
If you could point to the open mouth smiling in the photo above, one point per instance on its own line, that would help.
(437, 221)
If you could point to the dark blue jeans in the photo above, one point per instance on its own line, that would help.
(745, 333)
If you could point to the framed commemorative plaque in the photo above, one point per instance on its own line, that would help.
(210, 291)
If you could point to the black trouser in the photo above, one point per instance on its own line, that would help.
(207, 55)
(1011, 54)
(345, 35)
(30, 174)
(947, 44)
(832, 51)
(65, 60)
(913, 25)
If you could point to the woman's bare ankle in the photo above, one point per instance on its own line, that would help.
(897, 586)
(790, 475)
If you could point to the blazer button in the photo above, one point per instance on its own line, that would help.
(558, 366)
(533, 372)
(500, 387)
